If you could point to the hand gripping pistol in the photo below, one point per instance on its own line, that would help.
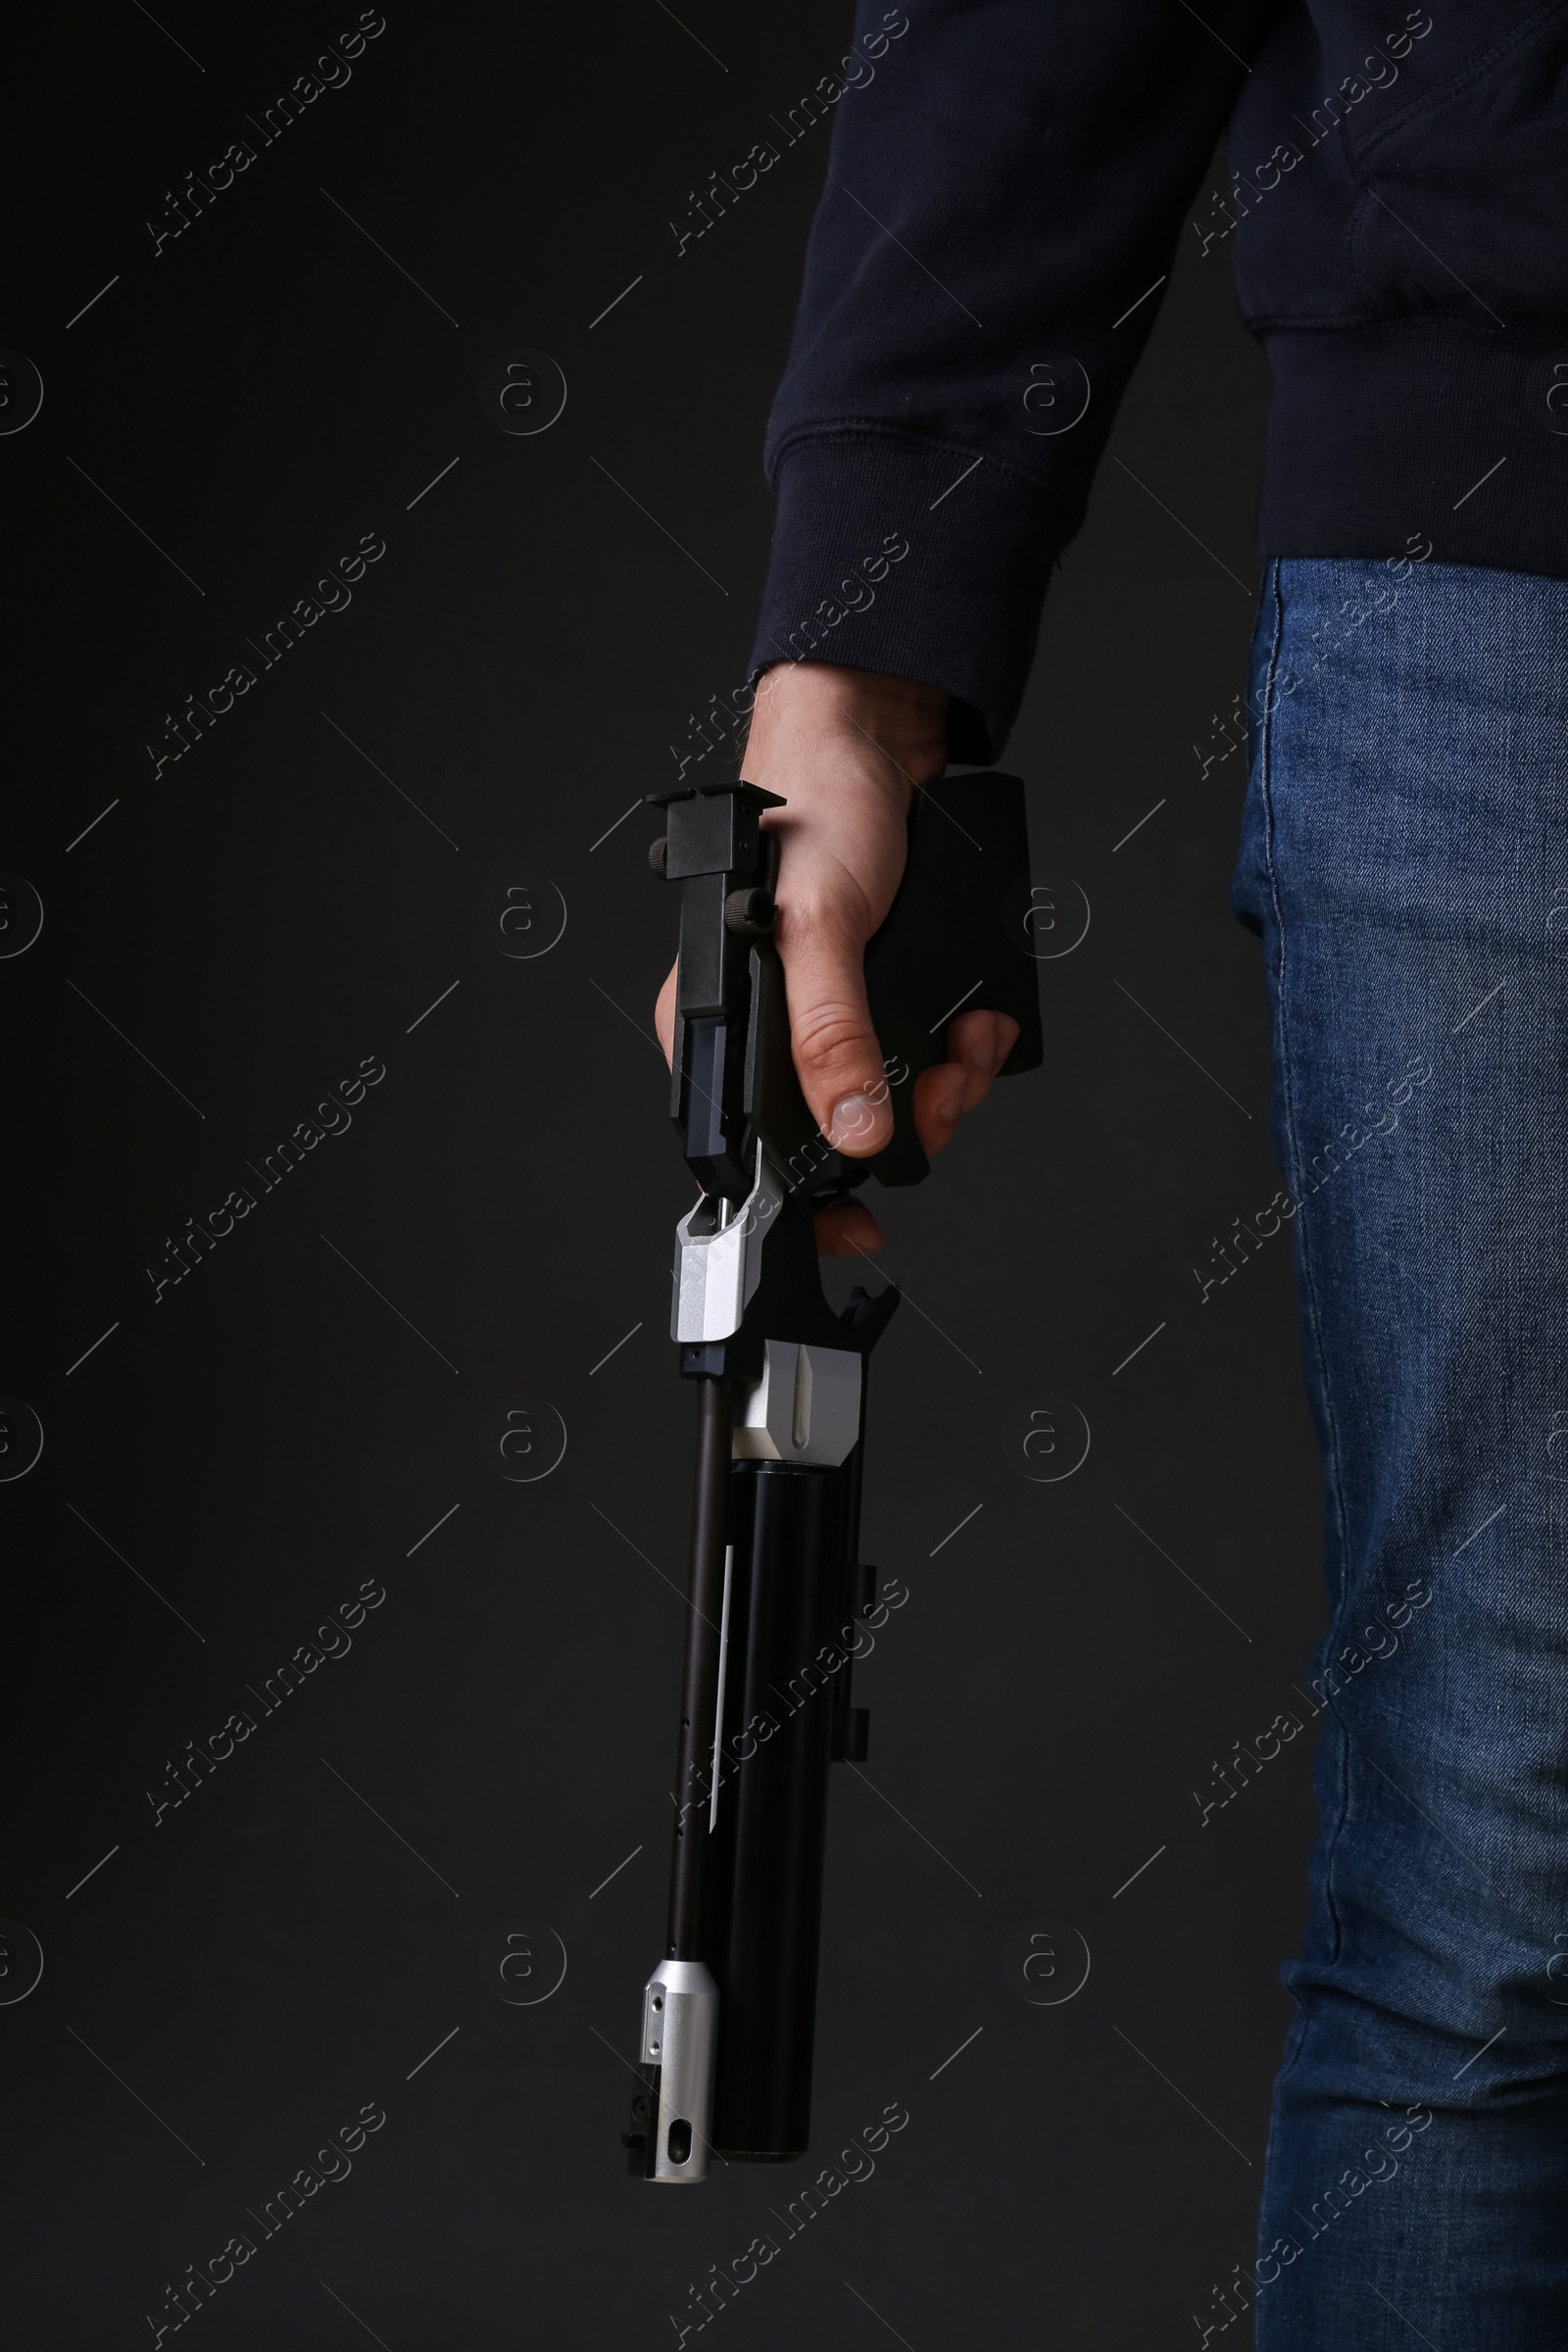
(777, 1592)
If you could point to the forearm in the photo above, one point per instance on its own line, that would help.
(1001, 208)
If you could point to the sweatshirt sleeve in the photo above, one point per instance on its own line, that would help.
(1006, 185)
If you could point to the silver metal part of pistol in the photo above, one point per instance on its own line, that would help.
(680, 2036)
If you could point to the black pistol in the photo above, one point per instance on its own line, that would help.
(777, 1588)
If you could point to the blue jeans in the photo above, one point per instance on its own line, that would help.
(1404, 854)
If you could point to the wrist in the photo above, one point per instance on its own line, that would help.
(801, 704)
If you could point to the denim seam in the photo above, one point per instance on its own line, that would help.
(1308, 1282)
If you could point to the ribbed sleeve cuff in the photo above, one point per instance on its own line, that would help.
(917, 559)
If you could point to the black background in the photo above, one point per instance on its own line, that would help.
(269, 912)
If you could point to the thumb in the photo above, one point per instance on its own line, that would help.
(836, 1057)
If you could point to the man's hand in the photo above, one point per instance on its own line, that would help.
(846, 748)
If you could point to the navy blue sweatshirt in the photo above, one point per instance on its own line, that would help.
(1007, 183)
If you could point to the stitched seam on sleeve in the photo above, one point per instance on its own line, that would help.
(850, 430)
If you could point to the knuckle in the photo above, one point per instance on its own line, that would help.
(812, 923)
(828, 1036)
